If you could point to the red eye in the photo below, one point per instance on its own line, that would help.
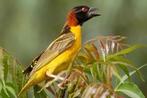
(84, 9)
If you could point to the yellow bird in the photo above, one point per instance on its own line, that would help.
(62, 51)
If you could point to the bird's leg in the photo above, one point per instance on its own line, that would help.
(58, 77)
(65, 81)
(55, 78)
(62, 84)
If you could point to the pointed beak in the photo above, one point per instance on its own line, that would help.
(93, 12)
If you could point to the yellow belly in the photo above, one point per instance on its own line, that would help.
(60, 63)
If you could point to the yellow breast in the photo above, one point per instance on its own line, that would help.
(76, 30)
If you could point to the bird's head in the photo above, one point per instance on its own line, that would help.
(80, 14)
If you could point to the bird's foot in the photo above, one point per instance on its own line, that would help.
(56, 77)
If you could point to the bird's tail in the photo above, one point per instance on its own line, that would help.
(26, 86)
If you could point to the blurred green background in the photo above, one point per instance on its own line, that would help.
(28, 26)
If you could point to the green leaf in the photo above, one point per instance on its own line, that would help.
(77, 93)
(125, 69)
(93, 70)
(131, 90)
(6, 62)
(125, 51)
(4, 88)
(10, 70)
(1, 86)
(125, 77)
(116, 73)
(1, 64)
(11, 90)
(3, 94)
(124, 63)
(37, 94)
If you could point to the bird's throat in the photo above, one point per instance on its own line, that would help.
(76, 30)
(72, 20)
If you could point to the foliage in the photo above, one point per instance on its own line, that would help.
(100, 70)
(11, 77)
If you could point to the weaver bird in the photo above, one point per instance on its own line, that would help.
(62, 51)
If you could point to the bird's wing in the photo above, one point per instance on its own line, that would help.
(58, 46)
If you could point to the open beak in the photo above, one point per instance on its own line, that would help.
(92, 12)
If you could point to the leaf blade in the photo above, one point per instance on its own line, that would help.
(131, 90)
